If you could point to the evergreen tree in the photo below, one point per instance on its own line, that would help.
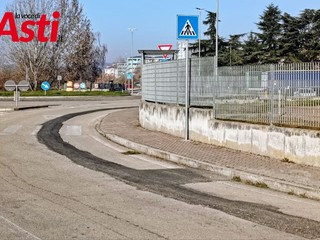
(209, 45)
(232, 52)
(289, 40)
(252, 49)
(309, 23)
(270, 28)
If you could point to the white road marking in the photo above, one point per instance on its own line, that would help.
(140, 157)
(10, 130)
(36, 130)
(73, 130)
(19, 228)
(152, 160)
(118, 149)
(49, 117)
(268, 193)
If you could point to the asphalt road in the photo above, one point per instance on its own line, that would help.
(59, 179)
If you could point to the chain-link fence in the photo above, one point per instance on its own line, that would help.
(282, 94)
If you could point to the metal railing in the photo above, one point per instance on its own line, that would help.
(282, 94)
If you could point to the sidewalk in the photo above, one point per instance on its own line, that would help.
(123, 127)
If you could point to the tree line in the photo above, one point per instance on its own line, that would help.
(77, 56)
(282, 38)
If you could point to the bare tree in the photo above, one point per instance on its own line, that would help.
(98, 59)
(71, 24)
(29, 57)
(45, 60)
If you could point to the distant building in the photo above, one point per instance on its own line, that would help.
(154, 59)
(121, 69)
(110, 70)
(132, 64)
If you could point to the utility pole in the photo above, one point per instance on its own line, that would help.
(132, 30)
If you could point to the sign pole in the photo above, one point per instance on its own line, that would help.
(187, 93)
(59, 78)
(16, 97)
(187, 29)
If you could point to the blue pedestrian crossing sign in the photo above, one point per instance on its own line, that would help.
(188, 27)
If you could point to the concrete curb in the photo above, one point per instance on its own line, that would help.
(67, 98)
(6, 109)
(26, 107)
(32, 107)
(273, 183)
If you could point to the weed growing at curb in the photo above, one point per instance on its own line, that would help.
(257, 184)
(303, 195)
(286, 160)
(131, 152)
(249, 182)
(236, 178)
(137, 125)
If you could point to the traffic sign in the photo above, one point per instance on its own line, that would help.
(45, 86)
(59, 77)
(129, 75)
(82, 85)
(10, 85)
(188, 27)
(165, 47)
(76, 85)
(23, 85)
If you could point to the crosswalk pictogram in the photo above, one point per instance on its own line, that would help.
(187, 30)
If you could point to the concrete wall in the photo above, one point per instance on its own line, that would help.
(300, 146)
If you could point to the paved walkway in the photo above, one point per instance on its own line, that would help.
(123, 127)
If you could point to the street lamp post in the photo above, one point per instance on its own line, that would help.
(200, 9)
(216, 59)
(132, 30)
(217, 30)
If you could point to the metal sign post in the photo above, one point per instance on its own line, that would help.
(188, 28)
(186, 134)
(10, 85)
(59, 78)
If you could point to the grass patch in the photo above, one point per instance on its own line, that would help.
(64, 93)
(257, 184)
(131, 152)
